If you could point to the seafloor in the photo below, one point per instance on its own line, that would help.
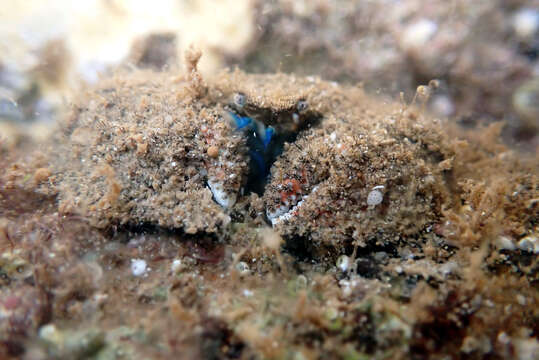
(286, 211)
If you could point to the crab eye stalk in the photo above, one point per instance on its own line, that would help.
(239, 99)
(302, 105)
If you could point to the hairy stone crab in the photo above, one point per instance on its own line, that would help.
(147, 147)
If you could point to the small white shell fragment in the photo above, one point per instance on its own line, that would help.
(50, 333)
(526, 22)
(138, 267)
(442, 105)
(503, 338)
(301, 282)
(374, 198)
(242, 268)
(418, 34)
(347, 286)
(343, 263)
(504, 243)
(529, 244)
(176, 265)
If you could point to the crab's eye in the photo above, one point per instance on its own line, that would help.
(302, 105)
(239, 99)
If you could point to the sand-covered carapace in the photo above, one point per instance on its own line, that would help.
(332, 164)
(149, 147)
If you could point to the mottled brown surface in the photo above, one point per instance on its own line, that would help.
(136, 152)
(438, 271)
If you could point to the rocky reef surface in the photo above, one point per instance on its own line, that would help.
(366, 186)
(265, 216)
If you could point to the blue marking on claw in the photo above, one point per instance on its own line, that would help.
(261, 141)
(259, 161)
(268, 134)
(241, 121)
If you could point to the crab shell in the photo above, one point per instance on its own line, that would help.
(135, 151)
(319, 187)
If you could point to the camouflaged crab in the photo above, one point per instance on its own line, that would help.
(136, 151)
(267, 121)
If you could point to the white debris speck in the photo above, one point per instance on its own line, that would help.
(345, 287)
(348, 286)
(442, 105)
(448, 268)
(138, 267)
(526, 22)
(343, 263)
(529, 244)
(223, 198)
(504, 243)
(418, 34)
(503, 338)
(100, 298)
(50, 333)
(333, 136)
(176, 265)
(374, 198)
(242, 268)
(301, 282)
(247, 293)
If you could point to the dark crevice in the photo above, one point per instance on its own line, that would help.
(368, 258)
(266, 134)
(301, 248)
(218, 341)
(125, 232)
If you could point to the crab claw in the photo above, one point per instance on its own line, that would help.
(241, 121)
(268, 134)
